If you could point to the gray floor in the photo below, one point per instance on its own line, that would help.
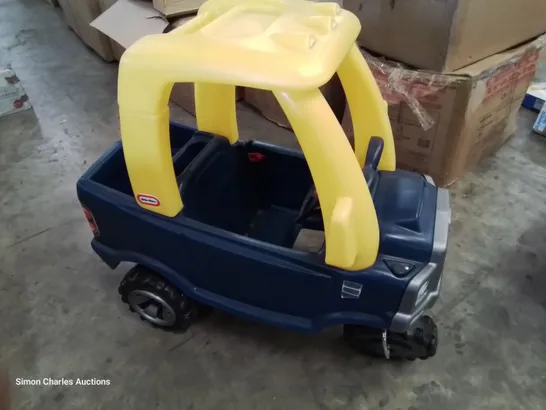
(59, 310)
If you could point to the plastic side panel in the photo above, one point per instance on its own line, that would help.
(337, 176)
(215, 110)
(368, 109)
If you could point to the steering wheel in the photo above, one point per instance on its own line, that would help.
(309, 206)
(311, 202)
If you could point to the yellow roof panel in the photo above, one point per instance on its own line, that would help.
(268, 44)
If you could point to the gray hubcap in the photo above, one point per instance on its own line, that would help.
(152, 307)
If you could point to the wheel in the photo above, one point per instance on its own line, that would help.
(203, 311)
(156, 300)
(419, 342)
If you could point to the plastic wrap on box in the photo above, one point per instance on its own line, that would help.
(445, 123)
(401, 84)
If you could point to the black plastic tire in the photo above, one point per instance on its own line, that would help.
(203, 311)
(419, 342)
(142, 279)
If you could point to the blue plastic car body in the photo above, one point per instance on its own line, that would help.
(231, 245)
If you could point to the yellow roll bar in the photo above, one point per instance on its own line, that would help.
(291, 47)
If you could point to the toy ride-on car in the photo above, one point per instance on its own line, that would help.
(211, 221)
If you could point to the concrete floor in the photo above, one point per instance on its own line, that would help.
(59, 309)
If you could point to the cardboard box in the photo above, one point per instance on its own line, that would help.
(126, 21)
(171, 8)
(12, 95)
(139, 19)
(446, 35)
(117, 49)
(182, 95)
(540, 124)
(78, 15)
(68, 13)
(266, 103)
(444, 124)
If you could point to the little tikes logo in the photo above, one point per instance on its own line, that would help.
(149, 200)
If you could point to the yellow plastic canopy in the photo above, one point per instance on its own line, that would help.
(291, 47)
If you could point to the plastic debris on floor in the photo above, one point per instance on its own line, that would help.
(535, 96)
(12, 95)
(540, 124)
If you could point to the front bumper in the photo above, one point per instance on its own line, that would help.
(413, 305)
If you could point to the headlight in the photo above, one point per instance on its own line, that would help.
(422, 292)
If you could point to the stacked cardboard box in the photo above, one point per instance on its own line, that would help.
(444, 124)
(444, 121)
(446, 35)
(140, 19)
(128, 21)
(483, 56)
(78, 15)
(117, 49)
(172, 8)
